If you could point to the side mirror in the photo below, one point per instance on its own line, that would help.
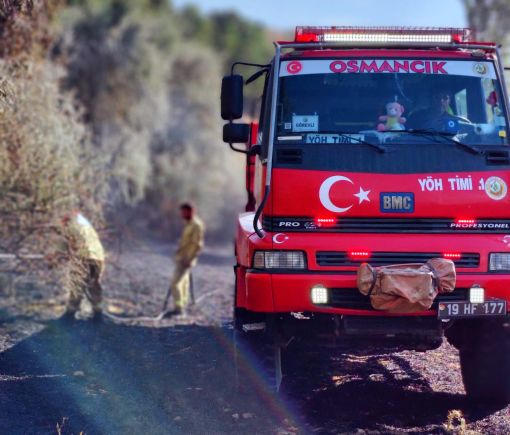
(232, 97)
(236, 133)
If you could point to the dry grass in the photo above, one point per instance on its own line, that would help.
(456, 424)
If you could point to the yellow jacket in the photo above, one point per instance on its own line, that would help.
(83, 238)
(191, 243)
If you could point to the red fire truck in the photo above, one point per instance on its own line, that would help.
(378, 145)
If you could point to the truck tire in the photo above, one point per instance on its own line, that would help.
(485, 362)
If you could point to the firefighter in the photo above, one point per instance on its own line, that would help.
(435, 115)
(442, 103)
(87, 265)
(190, 245)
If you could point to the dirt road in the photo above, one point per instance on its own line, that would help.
(178, 377)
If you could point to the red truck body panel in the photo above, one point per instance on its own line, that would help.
(456, 195)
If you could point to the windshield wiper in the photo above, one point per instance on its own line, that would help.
(443, 135)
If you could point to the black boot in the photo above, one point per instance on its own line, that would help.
(175, 312)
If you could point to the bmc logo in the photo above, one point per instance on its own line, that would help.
(397, 202)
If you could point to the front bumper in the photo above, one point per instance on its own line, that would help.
(290, 292)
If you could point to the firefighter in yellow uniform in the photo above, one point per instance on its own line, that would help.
(87, 266)
(190, 245)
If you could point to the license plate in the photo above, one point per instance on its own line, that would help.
(455, 310)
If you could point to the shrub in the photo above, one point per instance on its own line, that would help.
(46, 164)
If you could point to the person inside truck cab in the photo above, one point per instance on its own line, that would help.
(437, 112)
(442, 104)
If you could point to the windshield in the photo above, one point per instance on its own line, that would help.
(353, 100)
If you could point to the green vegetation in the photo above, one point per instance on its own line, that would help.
(229, 34)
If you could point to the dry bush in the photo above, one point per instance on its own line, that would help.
(118, 74)
(25, 27)
(152, 102)
(46, 167)
(46, 164)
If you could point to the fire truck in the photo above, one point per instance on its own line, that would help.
(379, 145)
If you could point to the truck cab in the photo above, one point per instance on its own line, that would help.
(379, 145)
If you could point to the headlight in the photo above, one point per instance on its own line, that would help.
(499, 261)
(279, 260)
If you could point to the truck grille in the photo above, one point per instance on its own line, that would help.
(387, 225)
(330, 258)
(351, 298)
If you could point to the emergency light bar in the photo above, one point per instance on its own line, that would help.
(383, 35)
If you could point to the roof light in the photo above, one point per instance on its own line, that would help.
(452, 256)
(383, 35)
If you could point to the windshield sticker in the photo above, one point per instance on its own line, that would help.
(294, 138)
(334, 138)
(480, 68)
(356, 66)
(294, 67)
(391, 66)
(305, 123)
(287, 125)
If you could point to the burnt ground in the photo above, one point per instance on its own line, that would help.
(141, 376)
